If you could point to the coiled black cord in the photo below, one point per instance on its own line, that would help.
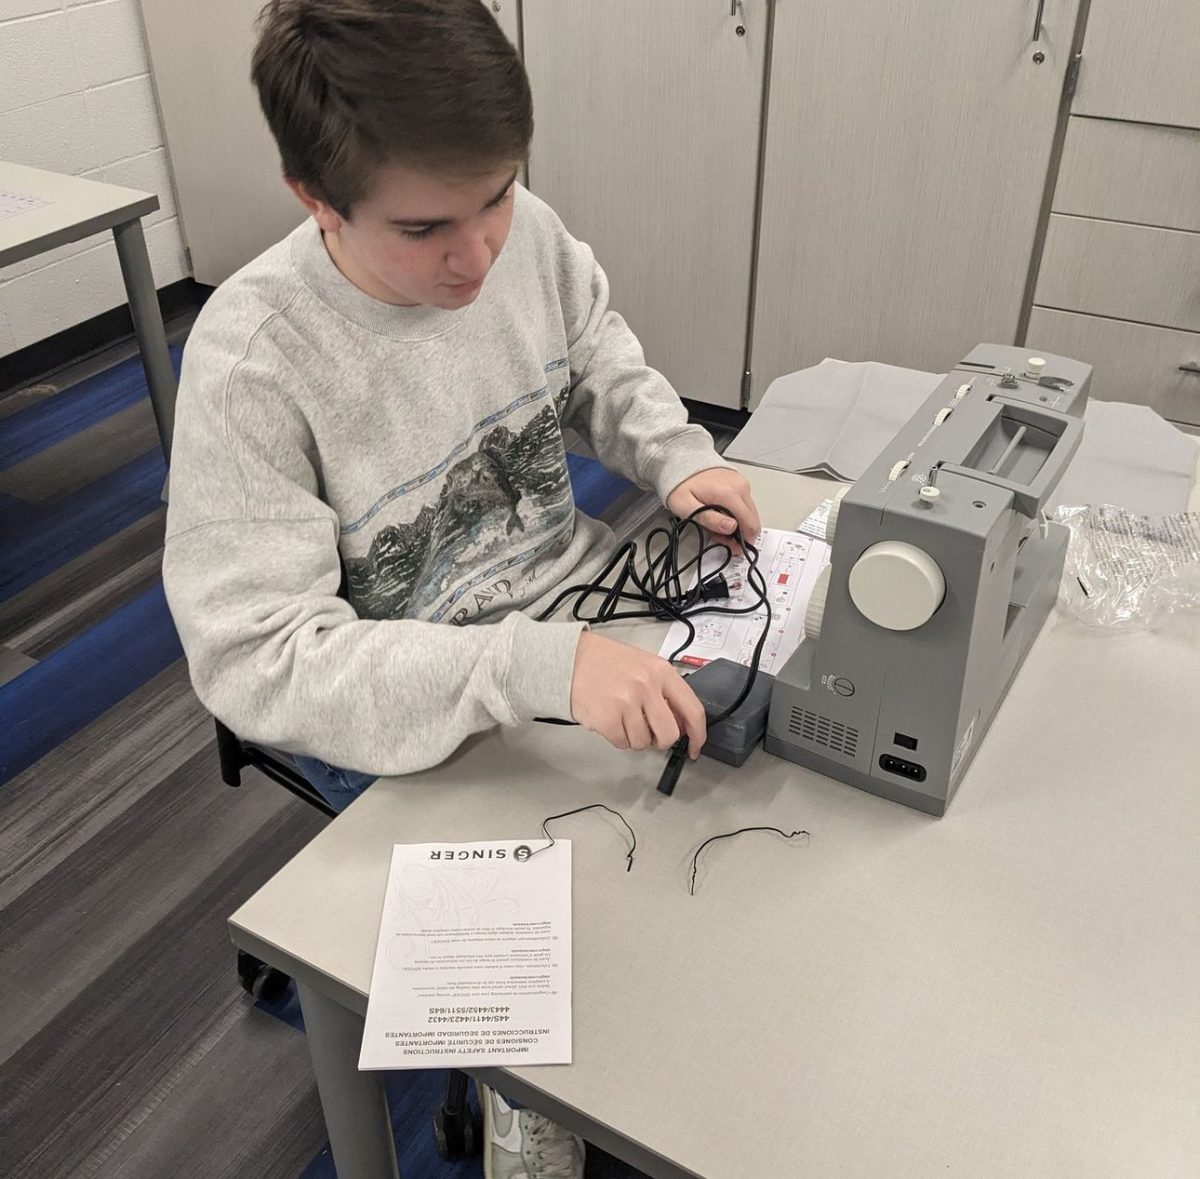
(660, 592)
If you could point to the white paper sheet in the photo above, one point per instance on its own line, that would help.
(13, 203)
(473, 963)
(1131, 457)
(790, 564)
(816, 523)
(833, 418)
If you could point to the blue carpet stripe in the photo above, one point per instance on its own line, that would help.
(46, 423)
(595, 488)
(40, 538)
(48, 703)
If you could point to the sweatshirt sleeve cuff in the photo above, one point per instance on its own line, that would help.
(541, 667)
(685, 455)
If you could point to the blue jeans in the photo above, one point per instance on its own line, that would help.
(337, 787)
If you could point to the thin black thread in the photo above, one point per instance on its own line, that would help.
(730, 835)
(579, 810)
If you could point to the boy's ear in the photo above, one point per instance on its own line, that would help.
(325, 215)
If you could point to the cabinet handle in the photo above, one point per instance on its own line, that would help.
(1193, 367)
(1037, 21)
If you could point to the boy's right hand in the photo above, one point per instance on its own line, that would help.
(633, 699)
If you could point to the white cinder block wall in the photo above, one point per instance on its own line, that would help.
(75, 96)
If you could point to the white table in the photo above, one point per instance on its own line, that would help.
(1012, 990)
(75, 209)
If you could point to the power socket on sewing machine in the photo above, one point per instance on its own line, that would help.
(736, 737)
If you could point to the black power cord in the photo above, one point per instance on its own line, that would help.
(678, 755)
(659, 591)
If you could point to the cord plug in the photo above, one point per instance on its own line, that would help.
(674, 767)
(715, 589)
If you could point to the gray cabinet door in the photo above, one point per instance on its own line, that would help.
(508, 17)
(1142, 61)
(232, 200)
(647, 115)
(907, 152)
(1136, 272)
(1153, 366)
(231, 197)
(1130, 172)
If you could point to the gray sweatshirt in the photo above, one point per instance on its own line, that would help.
(420, 451)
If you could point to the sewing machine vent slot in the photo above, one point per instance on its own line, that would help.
(820, 730)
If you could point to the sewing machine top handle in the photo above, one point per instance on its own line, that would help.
(1025, 450)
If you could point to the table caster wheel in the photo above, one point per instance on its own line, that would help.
(260, 980)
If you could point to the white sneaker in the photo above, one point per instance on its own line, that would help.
(521, 1144)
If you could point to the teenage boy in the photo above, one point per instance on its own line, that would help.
(369, 444)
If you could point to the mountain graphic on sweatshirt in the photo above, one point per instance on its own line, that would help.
(505, 499)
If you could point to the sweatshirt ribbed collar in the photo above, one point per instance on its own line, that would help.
(336, 291)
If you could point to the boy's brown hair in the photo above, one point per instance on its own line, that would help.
(349, 85)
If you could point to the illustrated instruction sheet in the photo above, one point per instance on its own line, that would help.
(12, 203)
(790, 564)
(473, 964)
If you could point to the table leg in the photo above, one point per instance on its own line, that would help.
(148, 325)
(354, 1103)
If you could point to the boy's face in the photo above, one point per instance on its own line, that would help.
(419, 238)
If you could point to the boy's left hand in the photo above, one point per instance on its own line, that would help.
(727, 489)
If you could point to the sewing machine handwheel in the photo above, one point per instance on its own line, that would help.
(834, 509)
(897, 585)
(814, 614)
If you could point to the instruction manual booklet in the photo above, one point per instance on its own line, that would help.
(473, 963)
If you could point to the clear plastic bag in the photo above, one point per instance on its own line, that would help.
(1129, 572)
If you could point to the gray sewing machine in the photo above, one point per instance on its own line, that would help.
(942, 573)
